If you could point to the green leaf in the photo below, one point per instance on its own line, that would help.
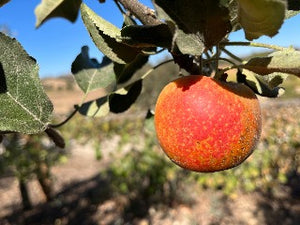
(195, 23)
(125, 71)
(91, 75)
(95, 108)
(3, 2)
(285, 61)
(121, 102)
(24, 106)
(106, 37)
(47, 9)
(261, 17)
(116, 102)
(147, 36)
(233, 7)
(258, 85)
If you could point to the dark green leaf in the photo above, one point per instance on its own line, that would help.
(195, 23)
(91, 75)
(121, 102)
(286, 61)
(125, 71)
(24, 106)
(261, 17)
(47, 9)
(147, 36)
(106, 37)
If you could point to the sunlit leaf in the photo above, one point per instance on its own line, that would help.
(285, 61)
(106, 37)
(261, 17)
(96, 108)
(24, 106)
(47, 9)
(90, 75)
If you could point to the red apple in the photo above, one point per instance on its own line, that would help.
(207, 125)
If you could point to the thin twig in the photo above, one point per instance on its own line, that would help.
(253, 44)
(66, 120)
(230, 54)
(155, 67)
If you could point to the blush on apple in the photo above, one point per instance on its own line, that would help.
(207, 125)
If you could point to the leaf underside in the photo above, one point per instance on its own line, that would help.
(261, 17)
(48, 9)
(106, 37)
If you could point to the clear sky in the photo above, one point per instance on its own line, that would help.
(57, 42)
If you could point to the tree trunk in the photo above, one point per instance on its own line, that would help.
(24, 194)
(44, 179)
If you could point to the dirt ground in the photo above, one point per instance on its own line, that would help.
(82, 196)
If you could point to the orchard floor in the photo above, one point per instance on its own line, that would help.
(82, 196)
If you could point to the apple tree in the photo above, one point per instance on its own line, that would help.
(195, 34)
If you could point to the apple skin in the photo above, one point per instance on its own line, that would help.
(206, 125)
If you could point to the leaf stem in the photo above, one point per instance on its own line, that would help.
(230, 54)
(253, 44)
(67, 119)
(155, 67)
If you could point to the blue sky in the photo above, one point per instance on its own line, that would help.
(57, 42)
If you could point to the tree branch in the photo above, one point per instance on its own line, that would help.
(140, 11)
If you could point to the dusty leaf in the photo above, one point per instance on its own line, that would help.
(261, 17)
(24, 106)
(106, 37)
(196, 30)
(91, 75)
(285, 61)
(258, 84)
(48, 9)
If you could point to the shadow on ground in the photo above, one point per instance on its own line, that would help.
(92, 202)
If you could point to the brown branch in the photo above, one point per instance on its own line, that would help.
(140, 11)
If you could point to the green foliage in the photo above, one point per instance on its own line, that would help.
(90, 75)
(137, 165)
(105, 35)
(24, 154)
(256, 21)
(285, 61)
(24, 106)
(47, 9)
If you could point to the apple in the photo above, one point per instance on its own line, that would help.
(207, 125)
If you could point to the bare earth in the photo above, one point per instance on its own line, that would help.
(82, 196)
